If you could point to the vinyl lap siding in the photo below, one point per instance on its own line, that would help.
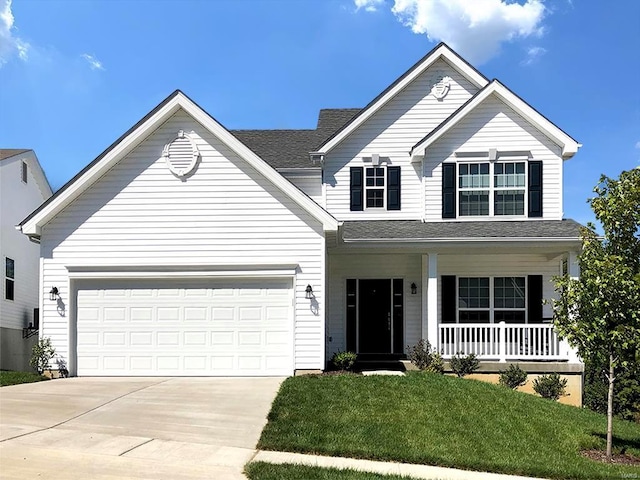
(504, 265)
(494, 125)
(391, 133)
(226, 213)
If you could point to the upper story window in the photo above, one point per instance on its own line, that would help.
(375, 188)
(492, 189)
(25, 172)
(9, 278)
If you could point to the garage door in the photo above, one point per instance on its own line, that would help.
(185, 328)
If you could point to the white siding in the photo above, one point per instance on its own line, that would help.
(17, 200)
(226, 213)
(309, 184)
(501, 266)
(494, 125)
(391, 133)
(381, 266)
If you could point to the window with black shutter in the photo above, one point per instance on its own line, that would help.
(357, 190)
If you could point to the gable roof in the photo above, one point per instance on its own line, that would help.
(138, 133)
(497, 89)
(290, 148)
(441, 51)
(11, 152)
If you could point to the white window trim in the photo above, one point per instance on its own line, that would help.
(383, 188)
(492, 309)
(492, 188)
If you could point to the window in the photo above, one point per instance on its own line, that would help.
(492, 189)
(374, 187)
(25, 175)
(9, 274)
(474, 189)
(379, 189)
(509, 184)
(491, 300)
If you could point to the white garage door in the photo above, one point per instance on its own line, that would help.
(185, 328)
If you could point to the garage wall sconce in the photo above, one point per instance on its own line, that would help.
(414, 288)
(308, 292)
(53, 294)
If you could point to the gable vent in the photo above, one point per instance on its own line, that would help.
(181, 154)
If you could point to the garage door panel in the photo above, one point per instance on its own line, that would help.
(225, 328)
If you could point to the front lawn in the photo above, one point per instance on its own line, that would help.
(14, 378)
(440, 420)
(268, 471)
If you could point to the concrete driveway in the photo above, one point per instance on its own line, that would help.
(138, 428)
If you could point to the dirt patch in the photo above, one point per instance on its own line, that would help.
(616, 458)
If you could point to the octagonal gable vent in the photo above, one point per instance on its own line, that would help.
(181, 154)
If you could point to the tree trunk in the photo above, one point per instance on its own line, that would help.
(610, 408)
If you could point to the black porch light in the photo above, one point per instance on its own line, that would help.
(414, 288)
(53, 294)
(308, 292)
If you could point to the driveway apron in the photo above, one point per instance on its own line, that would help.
(138, 428)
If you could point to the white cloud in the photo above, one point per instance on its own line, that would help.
(368, 5)
(533, 54)
(475, 28)
(637, 144)
(94, 63)
(9, 43)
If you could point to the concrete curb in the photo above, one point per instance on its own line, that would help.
(425, 472)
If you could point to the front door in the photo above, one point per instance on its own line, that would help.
(374, 326)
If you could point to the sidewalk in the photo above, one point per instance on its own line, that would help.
(389, 468)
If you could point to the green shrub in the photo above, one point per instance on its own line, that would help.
(513, 377)
(41, 355)
(464, 365)
(550, 386)
(344, 360)
(423, 357)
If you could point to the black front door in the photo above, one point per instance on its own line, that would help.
(374, 326)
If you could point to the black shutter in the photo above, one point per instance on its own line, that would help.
(393, 188)
(448, 190)
(449, 298)
(357, 189)
(535, 189)
(534, 298)
(351, 315)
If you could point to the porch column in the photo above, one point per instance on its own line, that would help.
(432, 300)
(573, 269)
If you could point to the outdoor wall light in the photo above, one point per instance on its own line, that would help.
(414, 288)
(308, 292)
(53, 294)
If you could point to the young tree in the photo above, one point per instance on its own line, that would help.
(599, 313)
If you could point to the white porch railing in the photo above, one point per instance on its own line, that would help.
(502, 341)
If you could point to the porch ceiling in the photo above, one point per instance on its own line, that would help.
(417, 231)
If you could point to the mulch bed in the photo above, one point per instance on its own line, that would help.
(617, 458)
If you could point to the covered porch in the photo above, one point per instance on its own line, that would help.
(464, 295)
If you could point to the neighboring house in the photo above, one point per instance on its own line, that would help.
(23, 186)
(434, 212)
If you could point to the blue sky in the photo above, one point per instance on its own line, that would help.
(75, 75)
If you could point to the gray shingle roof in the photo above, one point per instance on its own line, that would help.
(290, 148)
(10, 152)
(416, 230)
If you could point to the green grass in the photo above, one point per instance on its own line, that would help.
(14, 378)
(267, 471)
(440, 420)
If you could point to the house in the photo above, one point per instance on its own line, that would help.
(23, 186)
(433, 212)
